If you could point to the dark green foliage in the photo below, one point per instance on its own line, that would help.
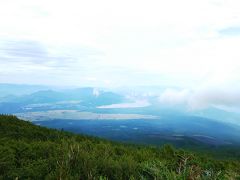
(32, 152)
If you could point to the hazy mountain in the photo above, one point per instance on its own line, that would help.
(219, 114)
(212, 125)
(87, 97)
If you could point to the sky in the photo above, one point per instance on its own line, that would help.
(190, 44)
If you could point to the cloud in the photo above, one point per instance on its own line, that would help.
(32, 61)
(126, 43)
(201, 98)
(96, 92)
(24, 50)
(174, 97)
(39, 52)
(230, 31)
(214, 97)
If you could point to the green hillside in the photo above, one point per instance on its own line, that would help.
(31, 152)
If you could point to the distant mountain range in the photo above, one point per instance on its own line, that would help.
(89, 97)
(118, 116)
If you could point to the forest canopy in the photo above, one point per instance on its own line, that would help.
(28, 151)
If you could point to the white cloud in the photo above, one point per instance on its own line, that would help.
(129, 42)
(215, 97)
(174, 97)
(96, 92)
(202, 98)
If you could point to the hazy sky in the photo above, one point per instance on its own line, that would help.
(191, 44)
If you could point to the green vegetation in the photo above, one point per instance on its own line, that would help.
(31, 152)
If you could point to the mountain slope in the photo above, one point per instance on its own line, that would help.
(32, 152)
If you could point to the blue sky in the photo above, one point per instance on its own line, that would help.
(190, 44)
